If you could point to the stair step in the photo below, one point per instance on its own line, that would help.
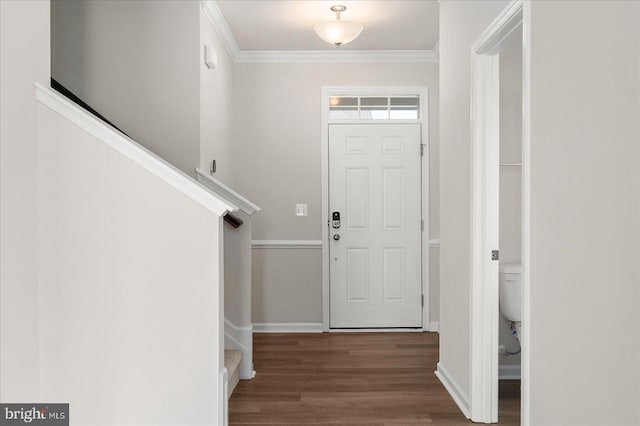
(232, 359)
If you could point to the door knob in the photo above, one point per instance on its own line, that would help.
(336, 237)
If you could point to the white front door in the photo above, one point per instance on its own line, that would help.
(375, 266)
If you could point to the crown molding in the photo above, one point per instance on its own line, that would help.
(306, 56)
(328, 56)
(214, 14)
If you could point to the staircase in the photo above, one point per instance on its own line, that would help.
(232, 359)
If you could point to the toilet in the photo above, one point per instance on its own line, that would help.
(510, 295)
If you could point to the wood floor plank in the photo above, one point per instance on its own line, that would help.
(372, 379)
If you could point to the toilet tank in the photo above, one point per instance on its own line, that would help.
(511, 291)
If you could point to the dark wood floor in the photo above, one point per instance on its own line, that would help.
(373, 379)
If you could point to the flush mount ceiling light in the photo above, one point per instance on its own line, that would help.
(338, 32)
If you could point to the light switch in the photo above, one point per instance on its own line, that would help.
(301, 209)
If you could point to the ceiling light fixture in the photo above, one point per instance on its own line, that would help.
(338, 32)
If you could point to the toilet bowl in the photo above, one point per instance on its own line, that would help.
(510, 289)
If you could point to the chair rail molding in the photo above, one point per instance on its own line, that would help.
(286, 244)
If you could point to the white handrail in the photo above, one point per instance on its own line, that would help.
(226, 193)
(133, 151)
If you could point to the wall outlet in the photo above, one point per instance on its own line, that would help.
(301, 209)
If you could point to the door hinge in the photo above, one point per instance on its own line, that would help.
(495, 254)
(422, 225)
(422, 149)
(422, 300)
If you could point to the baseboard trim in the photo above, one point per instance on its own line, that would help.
(240, 338)
(376, 330)
(457, 394)
(509, 372)
(287, 327)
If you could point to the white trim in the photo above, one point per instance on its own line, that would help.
(376, 330)
(434, 327)
(490, 41)
(525, 374)
(286, 244)
(133, 151)
(223, 401)
(484, 238)
(240, 338)
(324, 211)
(509, 372)
(213, 12)
(225, 192)
(288, 327)
(485, 172)
(334, 56)
(454, 389)
(326, 92)
(221, 27)
(434, 243)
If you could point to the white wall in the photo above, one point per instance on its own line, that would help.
(510, 176)
(460, 24)
(129, 287)
(135, 63)
(585, 238)
(237, 272)
(24, 59)
(216, 107)
(277, 125)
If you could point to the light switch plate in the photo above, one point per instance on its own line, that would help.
(301, 209)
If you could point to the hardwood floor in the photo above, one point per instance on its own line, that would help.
(373, 379)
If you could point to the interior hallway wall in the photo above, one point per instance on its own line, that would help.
(277, 135)
(461, 22)
(24, 59)
(216, 106)
(135, 62)
(585, 237)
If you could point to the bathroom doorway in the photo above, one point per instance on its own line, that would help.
(499, 193)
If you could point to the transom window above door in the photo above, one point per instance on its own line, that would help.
(374, 107)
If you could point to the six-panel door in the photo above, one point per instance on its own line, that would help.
(375, 265)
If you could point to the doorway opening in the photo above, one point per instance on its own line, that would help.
(375, 236)
(499, 237)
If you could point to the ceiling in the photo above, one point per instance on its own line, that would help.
(266, 25)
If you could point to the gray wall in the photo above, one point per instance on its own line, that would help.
(135, 63)
(277, 126)
(24, 59)
(585, 238)
(461, 22)
(216, 107)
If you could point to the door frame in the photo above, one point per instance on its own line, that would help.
(326, 92)
(485, 146)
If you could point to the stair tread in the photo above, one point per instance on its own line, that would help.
(232, 359)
